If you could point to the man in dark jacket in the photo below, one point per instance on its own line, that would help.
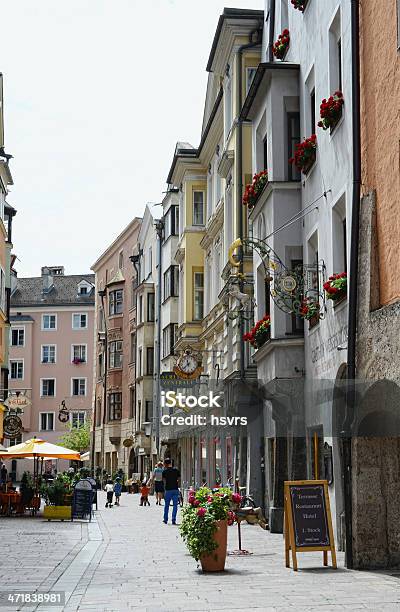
(171, 477)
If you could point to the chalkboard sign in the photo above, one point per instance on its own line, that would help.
(82, 500)
(94, 488)
(308, 521)
(309, 515)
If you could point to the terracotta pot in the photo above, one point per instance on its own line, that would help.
(216, 561)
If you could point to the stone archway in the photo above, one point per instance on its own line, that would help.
(376, 478)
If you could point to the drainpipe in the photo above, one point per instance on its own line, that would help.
(239, 187)
(160, 230)
(353, 296)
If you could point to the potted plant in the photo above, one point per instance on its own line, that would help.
(78, 360)
(54, 494)
(331, 111)
(254, 189)
(260, 333)
(299, 4)
(336, 287)
(310, 309)
(279, 49)
(204, 526)
(305, 154)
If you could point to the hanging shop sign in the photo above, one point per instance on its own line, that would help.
(12, 426)
(63, 414)
(17, 402)
(308, 520)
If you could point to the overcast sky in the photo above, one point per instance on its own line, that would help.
(96, 94)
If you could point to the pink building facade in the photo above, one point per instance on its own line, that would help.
(51, 355)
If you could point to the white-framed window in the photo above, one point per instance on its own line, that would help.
(78, 418)
(115, 351)
(49, 353)
(2, 289)
(78, 353)
(198, 207)
(47, 387)
(46, 421)
(18, 336)
(198, 296)
(49, 322)
(79, 320)
(16, 369)
(78, 386)
(250, 72)
(115, 302)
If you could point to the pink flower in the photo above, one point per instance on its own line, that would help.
(209, 499)
(196, 503)
(201, 512)
(236, 498)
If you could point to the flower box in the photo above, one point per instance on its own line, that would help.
(281, 46)
(253, 190)
(60, 513)
(310, 310)
(305, 154)
(331, 111)
(260, 333)
(77, 361)
(336, 287)
(300, 5)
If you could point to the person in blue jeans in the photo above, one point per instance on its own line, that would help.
(171, 476)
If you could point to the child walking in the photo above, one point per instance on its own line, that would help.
(117, 490)
(109, 489)
(144, 495)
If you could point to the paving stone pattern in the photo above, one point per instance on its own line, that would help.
(127, 559)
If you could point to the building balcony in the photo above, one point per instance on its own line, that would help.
(280, 358)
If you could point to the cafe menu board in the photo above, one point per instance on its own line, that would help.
(82, 500)
(308, 521)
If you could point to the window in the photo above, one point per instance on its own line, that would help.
(115, 406)
(18, 336)
(335, 53)
(198, 208)
(46, 421)
(149, 361)
(293, 134)
(132, 402)
(171, 227)
(116, 302)
(265, 152)
(100, 365)
(15, 441)
(16, 369)
(78, 386)
(78, 419)
(198, 289)
(140, 357)
(339, 238)
(79, 321)
(150, 307)
(133, 347)
(48, 353)
(312, 112)
(171, 282)
(83, 290)
(148, 411)
(115, 351)
(169, 339)
(79, 353)
(49, 321)
(250, 72)
(140, 309)
(48, 387)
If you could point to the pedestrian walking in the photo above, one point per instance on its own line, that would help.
(158, 482)
(171, 477)
(109, 489)
(144, 494)
(117, 491)
(3, 473)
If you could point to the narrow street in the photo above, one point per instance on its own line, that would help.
(127, 559)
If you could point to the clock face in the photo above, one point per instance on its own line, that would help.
(188, 364)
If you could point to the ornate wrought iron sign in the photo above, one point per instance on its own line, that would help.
(12, 425)
(63, 414)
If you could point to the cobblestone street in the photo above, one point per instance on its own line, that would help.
(128, 559)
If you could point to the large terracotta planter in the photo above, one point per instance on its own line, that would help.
(216, 561)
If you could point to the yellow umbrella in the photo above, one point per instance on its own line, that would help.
(40, 448)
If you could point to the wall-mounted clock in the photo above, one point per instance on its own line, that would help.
(188, 365)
